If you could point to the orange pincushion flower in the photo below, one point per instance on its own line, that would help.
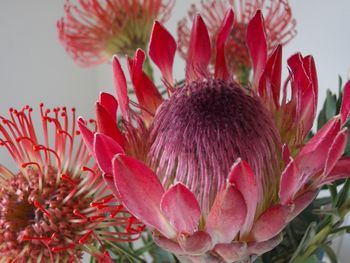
(93, 31)
(57, 205)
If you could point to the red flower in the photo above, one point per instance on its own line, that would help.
(217, 170)
(57, 205)
(97, 29)
(279, 26)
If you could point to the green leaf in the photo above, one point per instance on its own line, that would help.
(344, 194)
(160, 255)
(330, 253)
(312, 259)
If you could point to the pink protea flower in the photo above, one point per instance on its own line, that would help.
(279, 26)
(217, 170)
(93, 31)
(57, 205)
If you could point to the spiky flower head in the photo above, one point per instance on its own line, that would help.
(57, 205)
(217, 169)
(92, 31)
(279, 26)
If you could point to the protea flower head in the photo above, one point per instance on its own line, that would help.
(217, 169)
(57, 205)
(279, 26)
(92, 31)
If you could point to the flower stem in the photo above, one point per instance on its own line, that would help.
(126, 252)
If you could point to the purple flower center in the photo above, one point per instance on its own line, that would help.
(203, 128)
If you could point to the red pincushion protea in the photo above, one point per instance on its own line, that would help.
(57, 205)
(97, 29)
(217, 170)
(279, 26)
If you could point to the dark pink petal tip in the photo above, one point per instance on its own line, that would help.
(221, 70)
(87, 134)
(257, 46)
(121, 87)
(162, 49)
(199, 52)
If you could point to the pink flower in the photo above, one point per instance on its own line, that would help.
(93, 31)
(57, 205)
(279, 26)
(217, 170)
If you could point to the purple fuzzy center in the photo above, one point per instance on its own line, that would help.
(203, 128)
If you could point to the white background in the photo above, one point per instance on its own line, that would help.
(34, 67)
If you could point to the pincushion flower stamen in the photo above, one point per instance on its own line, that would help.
(217, 169)
(57, 205)
(94, 30)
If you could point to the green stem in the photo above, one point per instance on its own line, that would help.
(243, 75)
(125, 252)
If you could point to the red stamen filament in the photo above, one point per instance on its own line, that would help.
(69, 180)
(77, 213)
(85, 237)
(39, 206)
(36, 238)
(59, 249)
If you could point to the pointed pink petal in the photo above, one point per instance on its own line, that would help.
(340, 170)
(121, 87)
(140, 192)
(304, 91)
(259, 248)
(345, 106)
(107, 125)
(105, 148)
(196, 244)
(226, 216)
(146, 92)
(180, 207)
(270, 81)
(312, 157)
(301, 202)
(232, 252)
(109, 180)
(221, 70)
(110, 103)
(87, 135)
(243, 177)
(168, 245)
(162, 48)
(326, 134)
(270, 223)
(199, 52)
(256, 42)
(289, 184)
(336, 151)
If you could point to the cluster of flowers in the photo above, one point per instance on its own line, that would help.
(216, 170)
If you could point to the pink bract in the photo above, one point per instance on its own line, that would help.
(217, 170)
